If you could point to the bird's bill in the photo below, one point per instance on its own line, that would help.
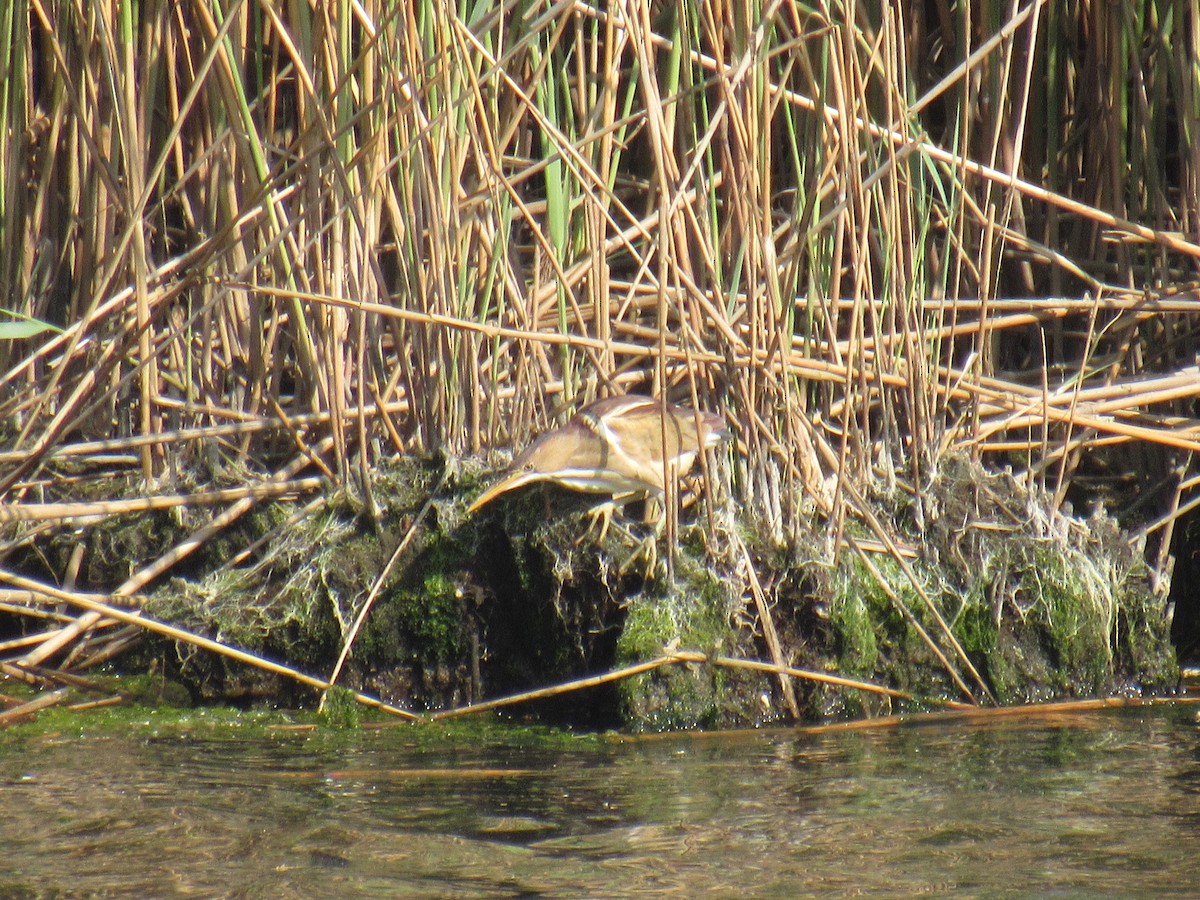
(503, 486)
(591, 481)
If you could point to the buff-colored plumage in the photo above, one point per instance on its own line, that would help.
(615, 446)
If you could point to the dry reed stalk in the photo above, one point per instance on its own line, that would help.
(767, 624)
(961, 163)
(1176, 510)
(97, 704)
(920, 629)
(24, 603)
(1022, 412)
(28, 640)
(675, 657)
(818, 677)
(41, 675)
(31, 707)
(99, 647)
(148, 573)
(455, 323)
(578, 684)
(1064, 713)
(37, 512)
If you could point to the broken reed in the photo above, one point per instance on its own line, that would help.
(435, 225)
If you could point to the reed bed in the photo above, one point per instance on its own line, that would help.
(263, 240)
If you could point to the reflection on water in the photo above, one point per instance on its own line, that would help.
(1099, 804)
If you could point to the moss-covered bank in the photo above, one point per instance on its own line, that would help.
(1040, 606)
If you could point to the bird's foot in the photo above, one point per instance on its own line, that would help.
(646, 549)
(600, 520)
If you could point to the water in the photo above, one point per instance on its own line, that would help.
(1095, 804)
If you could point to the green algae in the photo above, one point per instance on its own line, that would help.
(163, 721)
(1057, 607)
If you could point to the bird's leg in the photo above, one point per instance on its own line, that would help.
(647, 547)
(600, 519)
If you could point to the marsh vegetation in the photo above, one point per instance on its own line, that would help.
(282, 284)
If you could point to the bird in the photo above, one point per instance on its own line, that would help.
(615, 446)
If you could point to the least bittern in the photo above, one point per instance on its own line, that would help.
(615, 446)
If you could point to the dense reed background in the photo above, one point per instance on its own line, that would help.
(870, 233)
